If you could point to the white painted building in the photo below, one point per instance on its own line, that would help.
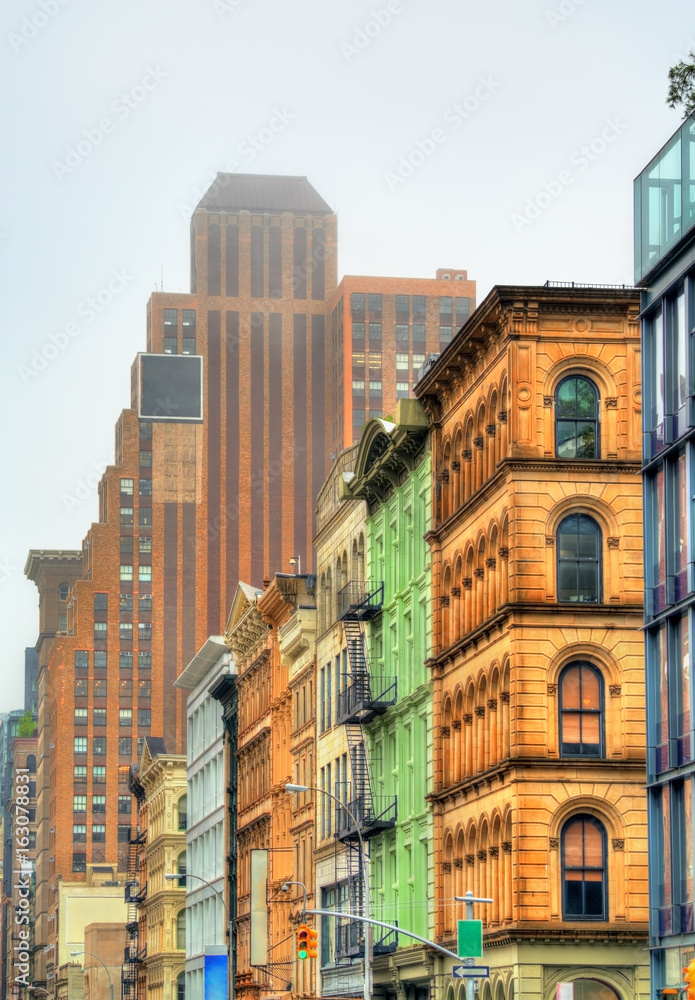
(206, 916)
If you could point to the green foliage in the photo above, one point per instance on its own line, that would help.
(26, 725)
(681, 89)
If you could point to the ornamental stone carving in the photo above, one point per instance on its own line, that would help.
(444, 476)
(494, 852)
(479, 574)
(455, 591)
(552, 688)
(615, 689)
(490, 430)
(458, 863)
(507, 846)
(613, 543)
(445, 732)
(482, 855)
(456, 726)
(618, 845)
(466, 454)
(502, 416)
(455, 466)
(491, 563)
(547, 401)
(470, 859)
(480, 711)
(444, 602)
(554, 842)
(468, 719)
(446, 867)
(611, 402)
(504, 697)
(478, 442)
(549, 540)
(492, 704)
(504, 552)
(467, 582)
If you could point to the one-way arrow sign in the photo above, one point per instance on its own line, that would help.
(471, 971)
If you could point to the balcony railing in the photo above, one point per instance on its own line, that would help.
(360, 600)
(349, 940)
(373, 817)
(357, 704)
(386, 944)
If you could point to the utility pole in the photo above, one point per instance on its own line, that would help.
(469, 899)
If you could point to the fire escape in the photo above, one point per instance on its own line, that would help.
(365, 815)
(135, 894)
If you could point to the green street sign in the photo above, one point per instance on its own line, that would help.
(470, 938)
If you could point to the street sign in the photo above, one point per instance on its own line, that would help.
(470, 939)
(471, 971)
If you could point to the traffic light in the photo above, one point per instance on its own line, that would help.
(302, 941)
(313, 943)
(689, 976)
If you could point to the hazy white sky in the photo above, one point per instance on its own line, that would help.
(117, 116)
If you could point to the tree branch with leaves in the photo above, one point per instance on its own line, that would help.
(681, 90)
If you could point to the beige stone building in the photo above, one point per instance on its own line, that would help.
(538, 667)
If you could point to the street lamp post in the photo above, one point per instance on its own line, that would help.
(108, 974)
(365, 868)
(170, 876)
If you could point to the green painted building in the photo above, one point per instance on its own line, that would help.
(393, 473)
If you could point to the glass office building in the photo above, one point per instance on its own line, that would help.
(665, 272)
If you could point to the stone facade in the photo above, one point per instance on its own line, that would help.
(523, 770)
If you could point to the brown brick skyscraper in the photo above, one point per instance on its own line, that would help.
(218, 463)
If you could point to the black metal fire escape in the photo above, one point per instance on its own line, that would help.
(361, 700)
(135, 893)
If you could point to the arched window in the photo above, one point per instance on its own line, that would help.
(581, 711)
(584, 882)
(182, 810)
(579, 559)
(181, 986)
(181, 930)
(576, 419)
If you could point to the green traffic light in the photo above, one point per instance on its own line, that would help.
(303, 953)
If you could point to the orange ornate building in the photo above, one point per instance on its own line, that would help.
(274, 677)
(538, 668)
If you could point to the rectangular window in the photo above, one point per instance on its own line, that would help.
(125, 716)
(80, 744)
(403, 308)
(402, 335)
(123, 771)
(99, 687)
(81, 659)
(99, 716)
(145, 487)
(99, 746)
(126, 545)
(126, 601)
(145, 516)
(79, 803)
(188, 321)
(125, 631)
(357, 305)
(418, 359)
(127, 486)
(144, 716)
(101, 602)
(375, 388)
(80, 716)
(98, 833)
(144, 689)
(358, 335)
(145, 602)
(124, 803)
(358, 385)
(144, 574)
(401, 390)
(145, 430)
(419, 334)
(374, 363)
(375, 305)
(171, 318)
(99, 774)
(100, 631)
(98, 804)
(444, 335)
(100, 659)
(144, 632)
(145, 460)
(402, 362)
(170, 345)
(145, 543)
(357, 362)
(126, 515)
(188, 345)
(446, 309)
(144, 661)
(125, 688)
(419, 308)
(126, 573)
(125, 660)
(79, 862)
(375, 335)
(463, 308)
(125, 747)
(123, 833)
(81, 687)
(79, 833)
(79, 773)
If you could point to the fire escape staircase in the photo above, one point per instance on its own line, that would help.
(366, 815)
(134, 894)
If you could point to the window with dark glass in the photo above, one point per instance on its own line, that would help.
(79, 773)
(125, 660)
(80, 716)
(145, 487)
(171, 319)
(357, 306)
(375, 335)
(79, 833)
(579, 560)
(576, 419)
(101, 602)
(358, 336)
(144, 661)
(63, 592)
(98, 774)
(463, 308)
(125, 631)
(145, 516)
(100, 659)
(584, 883)
(145, 430)
(125, 687)
(81, 687)
(98, 803)
(124, 803)
(188, 345)
(98, 833)
(123, 833)
(81, 659)
(79, 862)
(126, 515)
(581, 711)
(99, 716)
(188, 322)
(99, 687)
(126, 545)
(125, 749)
(403, 308)
(144, 715)
(375, 305)
(145, 459)
(145, 602)
(98, 745)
